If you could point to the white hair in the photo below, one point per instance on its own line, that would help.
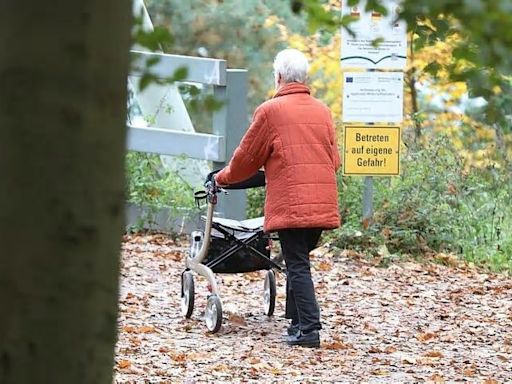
(292, 65)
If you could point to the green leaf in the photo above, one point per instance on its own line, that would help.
(432, 68)
(146, 79)
(180, 74)
(152, 61)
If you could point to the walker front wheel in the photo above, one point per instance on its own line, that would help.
(269, 293)
(213, 313)
(187, 294)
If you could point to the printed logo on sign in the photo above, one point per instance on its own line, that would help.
(349, 79)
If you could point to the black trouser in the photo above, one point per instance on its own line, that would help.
(301, 305)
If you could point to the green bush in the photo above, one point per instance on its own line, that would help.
(153, 187)
(255, 202)
(436, 205)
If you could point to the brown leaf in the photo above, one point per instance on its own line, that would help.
(426, 337)
(386, 232)
(123, 364)
(135, 341)
(380, 372)
(452, 189)
(254, 360)
(368, 328)
(435, 354)
(128, 329)
(143, 329)
(367, 222)
(323, 266)
(409, 360)
(336, 345)
(447, 259)
(179, 357)
(252, 276)
(437, 379)
(237, 319)
(390, 350)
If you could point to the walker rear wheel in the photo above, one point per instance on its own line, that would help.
(269, 293)
(187, 294)
(213, 313)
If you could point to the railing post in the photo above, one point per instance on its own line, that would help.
(231, 121)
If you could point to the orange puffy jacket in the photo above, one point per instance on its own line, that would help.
(293, 137)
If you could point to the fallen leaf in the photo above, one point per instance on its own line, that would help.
(221, 368)
(146, 329)
(179, 357)
(448, 259)
(380, 372)
(143, 329)
(408, 360)
(427, 336)
(437, 379)
(336, 345)
(369, 328)
(435, 354)
(390, 350)
(123, 364)
(237, 319)
(323, 266)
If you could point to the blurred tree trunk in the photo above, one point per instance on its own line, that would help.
(410, 80)
(63, 71)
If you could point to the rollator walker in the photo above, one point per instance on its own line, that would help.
(227, 246)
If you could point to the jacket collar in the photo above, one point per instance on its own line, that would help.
(290, 88)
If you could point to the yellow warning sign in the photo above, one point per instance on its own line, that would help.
(371, 150)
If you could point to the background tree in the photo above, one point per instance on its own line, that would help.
(245, 33)
(62, 143)
(477, 34)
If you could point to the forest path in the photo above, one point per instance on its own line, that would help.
(408, 323)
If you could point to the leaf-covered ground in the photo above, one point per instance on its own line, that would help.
(408, 323)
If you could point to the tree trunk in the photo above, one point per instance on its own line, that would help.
(63, 71)
(411, 82)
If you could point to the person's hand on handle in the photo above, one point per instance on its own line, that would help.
(217, 183)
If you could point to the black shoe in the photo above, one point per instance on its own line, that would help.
(310, 339)
(292, 329)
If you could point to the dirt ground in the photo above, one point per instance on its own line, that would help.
(408, 323)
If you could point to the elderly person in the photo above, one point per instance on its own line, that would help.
(293, 137)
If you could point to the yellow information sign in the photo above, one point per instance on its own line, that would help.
(371, 150)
